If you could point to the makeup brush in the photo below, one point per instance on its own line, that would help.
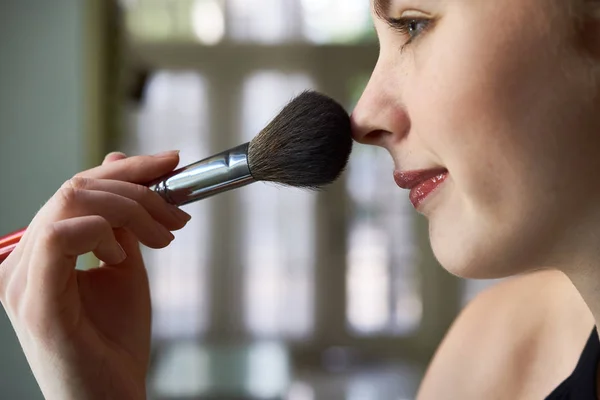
(307, 145)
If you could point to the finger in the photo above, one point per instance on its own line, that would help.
(166, 214)
(131, 246)
(58, 246)
(139, 169)
(119, 211)
(114, 156)
(125, 238)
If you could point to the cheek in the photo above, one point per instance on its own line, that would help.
(517, 134)
(498, 112)
(463, 116)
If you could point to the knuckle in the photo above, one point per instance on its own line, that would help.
(137, 210)
(101, 222)
(68, 195)
(12, 289)
(51, 236)
(11, 296)
(5, 289)
(130, 211)
(144, 192)
(4, 279)
(132, 204)
(78, 182)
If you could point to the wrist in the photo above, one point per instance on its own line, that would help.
(90, 379)
(69, 389)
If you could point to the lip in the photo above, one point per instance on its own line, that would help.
(421, 183)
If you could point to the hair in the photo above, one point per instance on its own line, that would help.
(586, 17)
(575, 25)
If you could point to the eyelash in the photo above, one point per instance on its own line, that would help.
(404, 26)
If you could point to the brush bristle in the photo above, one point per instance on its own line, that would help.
(307, 145)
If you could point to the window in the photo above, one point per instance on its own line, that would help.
(376, 277)
(383, 286)
(278, 226)
(174, 116)
(262, 21)
(336, 21)
(208, 21)
(266, 22)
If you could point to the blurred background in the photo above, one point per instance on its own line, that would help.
(269, 293)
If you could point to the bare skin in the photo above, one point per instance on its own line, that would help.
(503, 95)
(86, 335)
(517, 340)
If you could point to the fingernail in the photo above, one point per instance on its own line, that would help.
(116, 153)
(122, 256)
(167, 234)
(165, 154)
(179, 214)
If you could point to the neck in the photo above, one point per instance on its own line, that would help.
(582, 266)
(587, 283)
(586, 278)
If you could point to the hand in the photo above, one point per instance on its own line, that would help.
(86, 334)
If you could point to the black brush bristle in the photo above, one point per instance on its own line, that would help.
(307, 145)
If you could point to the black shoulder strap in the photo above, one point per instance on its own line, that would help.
(581, 385)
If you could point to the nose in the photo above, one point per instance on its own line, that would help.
(380, 117)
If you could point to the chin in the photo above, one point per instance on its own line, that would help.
(468, 249)
(469, 263)
(464, 260)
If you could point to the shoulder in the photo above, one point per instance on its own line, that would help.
(521, 337)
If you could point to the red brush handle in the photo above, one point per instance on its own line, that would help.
(9, 242)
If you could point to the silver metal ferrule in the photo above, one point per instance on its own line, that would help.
(219, 173)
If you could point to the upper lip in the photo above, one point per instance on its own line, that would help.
(410, 179)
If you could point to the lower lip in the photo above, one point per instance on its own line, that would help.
(419, 193)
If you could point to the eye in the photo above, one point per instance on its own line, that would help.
(410, 26)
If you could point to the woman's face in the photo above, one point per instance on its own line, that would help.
(498, 100)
